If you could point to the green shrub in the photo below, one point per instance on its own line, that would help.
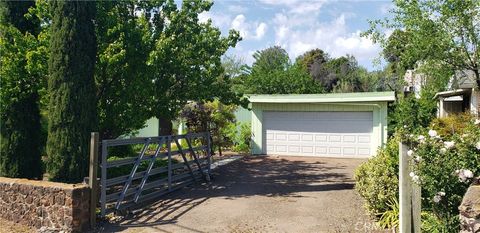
(377, 179)
(243, 138)
(400, 113)
(432, 224)
(390, 218)
(122, 151)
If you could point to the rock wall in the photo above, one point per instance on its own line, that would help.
(470, 210)
(47, 206)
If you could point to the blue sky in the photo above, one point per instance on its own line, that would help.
(300, 25)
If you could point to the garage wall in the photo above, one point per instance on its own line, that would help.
(379, 110)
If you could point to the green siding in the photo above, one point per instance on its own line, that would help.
(243, 115)
(379, 110)
(150, 129)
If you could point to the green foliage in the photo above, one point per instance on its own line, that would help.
(243, 137)
(126, 169)
(123, 151)
(294, 80)
(440, 161)
(390, 219)
(444, 33)
(71, 86)
(432, 224)
(270, 59)
(123, 77)
(20, 137)
(401, 117)
(187, 60)
(377, 179)
(214, 117)
(342, 74)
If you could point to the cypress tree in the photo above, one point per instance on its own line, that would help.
(20, 154)
(71, 85)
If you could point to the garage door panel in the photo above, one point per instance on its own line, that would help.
(294, 137)
(364, 151)
(364, 139)
(336, 134)
(349, 138)
(335, 138)
(294, 149)
(321, 138)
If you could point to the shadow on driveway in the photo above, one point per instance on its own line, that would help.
(259, 194)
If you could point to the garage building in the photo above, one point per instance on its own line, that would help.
(349, 125)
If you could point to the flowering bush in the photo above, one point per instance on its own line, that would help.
(445, 162)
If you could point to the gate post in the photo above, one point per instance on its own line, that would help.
(169, 169)
(92, 177)
(410, 195)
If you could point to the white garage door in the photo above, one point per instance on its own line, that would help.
(330, 134)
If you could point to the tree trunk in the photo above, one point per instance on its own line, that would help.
(164, 126)
(477, 77)
(219, 151)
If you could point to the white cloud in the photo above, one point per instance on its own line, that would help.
(218, 19)
(240, 25)
(260, 31)
(237, 9)
(333, 37)
(306, 7)
(280, 2)
(249, 30)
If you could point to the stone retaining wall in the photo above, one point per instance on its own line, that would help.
(470, 210)
(45, 205)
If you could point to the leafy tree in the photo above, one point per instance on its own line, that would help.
(71, 86)
(395, 47)
(272, 73)
(445, 32)
(125, 38)
(294, 80)
(270, 59)
(187, 62)
(313, 61)
(233, 66)
(215, 117)
(344, 70)
(19, 112)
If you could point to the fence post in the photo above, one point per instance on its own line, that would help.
(416, 208)
(410, 195)
(103, 194)
(405, 191)
(169, 153)
(92, 181)
(209, 154)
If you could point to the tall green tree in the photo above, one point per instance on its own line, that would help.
(186, 62)
(71, 86)
(440, 32)
(125, 37)
(270, 59)
(19, 111)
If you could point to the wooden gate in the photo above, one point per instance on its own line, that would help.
(163, 164)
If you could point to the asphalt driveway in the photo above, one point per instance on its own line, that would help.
(261, 194)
